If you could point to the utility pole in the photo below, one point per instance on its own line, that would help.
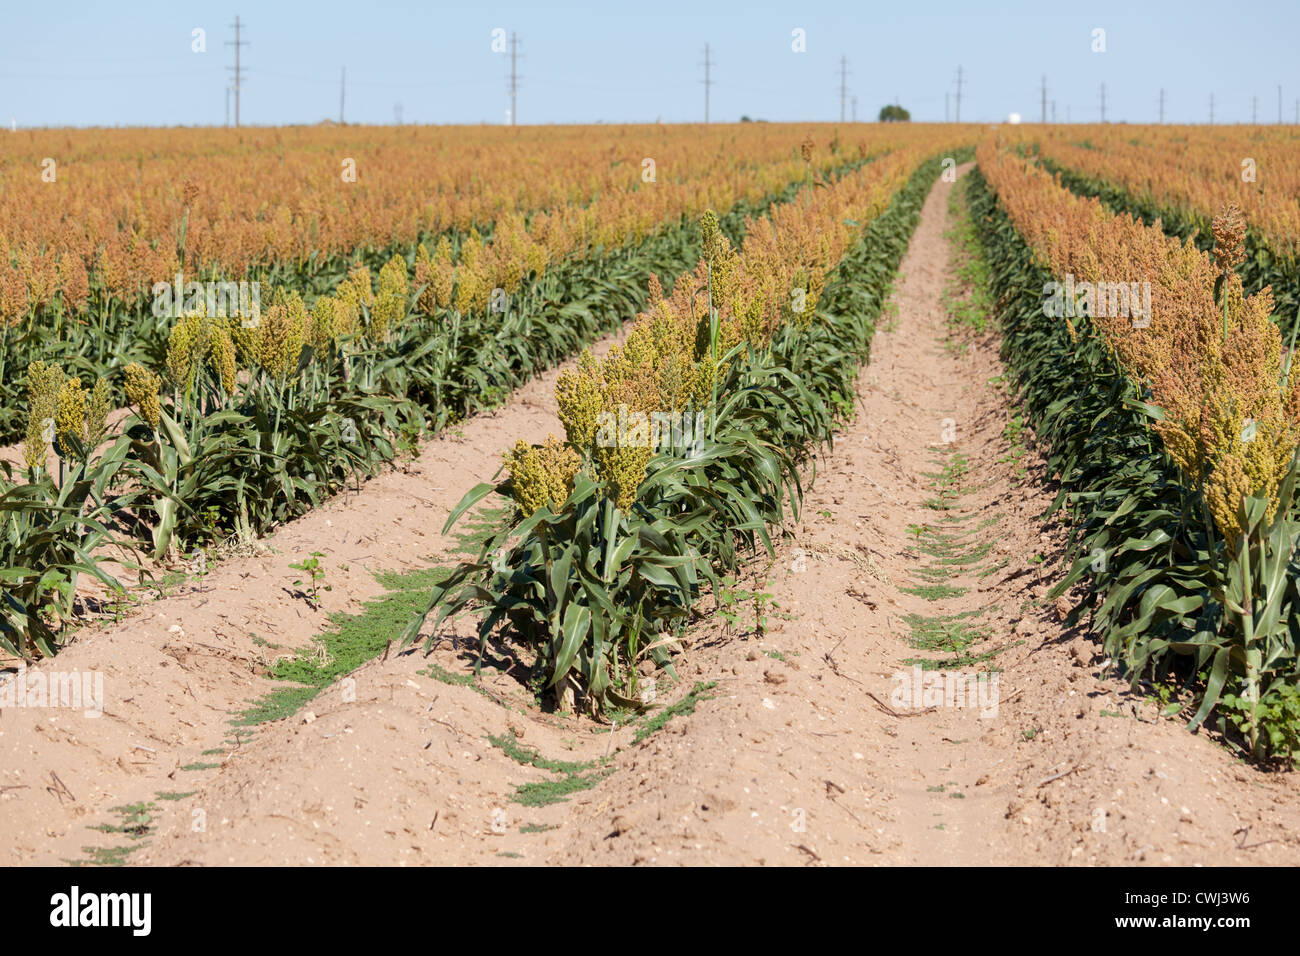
(1211, 109)
(1279, 104)
(708, 81)
(1103, 102)
(397, 113)
(1254, 110)
(343, 86)
(959, 94)
(238, 73)
(514, 75)
(844, 74)
(1044, 98)
(855, 109)
(1053, 111)
(1162, 105)
(945, 106)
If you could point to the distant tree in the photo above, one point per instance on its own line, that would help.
(894, 114)
(746, 119)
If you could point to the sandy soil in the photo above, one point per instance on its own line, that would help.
(802, 752)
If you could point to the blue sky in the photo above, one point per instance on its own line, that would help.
(131, 63)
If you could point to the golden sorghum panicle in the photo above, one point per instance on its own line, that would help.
(473, 288)
(97, 409)
(70, 417)
(186, 346)
(1229, 237)
(630, 377)
(324, 324)
(347, 314)
(392, 277)
(142, 391)
(353, 293)
(43, 385)
(727, 273)
(390, 306)
(709, 235)
(359, 281)
(541, 476)
(221, 357)
(580, 394)
(472, 248)
(280, 338)
(425, 269)
(436, 275)
(443, 273)
(74, 282)
(656, 291)
(623, 468)
(806, 150)
(443, 252)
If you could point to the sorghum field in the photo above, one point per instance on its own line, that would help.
(789, 493)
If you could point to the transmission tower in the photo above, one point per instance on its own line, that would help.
(236, 70)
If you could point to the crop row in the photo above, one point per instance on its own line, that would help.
(614, 534)
(1174, 436)
(237, 427)
(463, 272)
(1190, 171)
(91, 220)
(1181, 178)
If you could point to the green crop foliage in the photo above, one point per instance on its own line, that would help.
(575, 581)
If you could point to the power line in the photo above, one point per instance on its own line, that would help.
(103, 76)
(377, 85)
(238, 73)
